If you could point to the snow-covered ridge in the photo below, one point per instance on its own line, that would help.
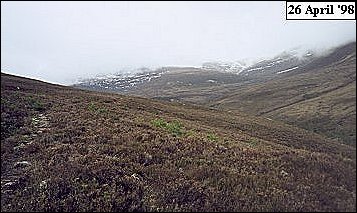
(287, 59)
(264, 69)
(121, 81)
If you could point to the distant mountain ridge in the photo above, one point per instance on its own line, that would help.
(122, 82)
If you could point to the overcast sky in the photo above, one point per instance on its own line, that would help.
(62, 41)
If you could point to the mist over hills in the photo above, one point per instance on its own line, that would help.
(278, 135)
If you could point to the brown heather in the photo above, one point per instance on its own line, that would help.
(65, 149)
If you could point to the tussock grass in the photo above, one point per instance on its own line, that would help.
(212, 137)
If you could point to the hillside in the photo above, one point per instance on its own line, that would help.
(65, 149)
(321, 96)
(313, 91)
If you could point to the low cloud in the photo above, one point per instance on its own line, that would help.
(63, 41)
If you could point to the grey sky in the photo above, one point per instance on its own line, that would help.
(61, 41)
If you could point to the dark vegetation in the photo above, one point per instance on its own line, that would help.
(64, 149)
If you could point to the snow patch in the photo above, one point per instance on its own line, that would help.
(287, 70)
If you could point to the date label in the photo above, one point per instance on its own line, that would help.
(320, 11)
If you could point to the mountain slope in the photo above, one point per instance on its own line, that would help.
(64, 149)
(316, 92)
(320, 98)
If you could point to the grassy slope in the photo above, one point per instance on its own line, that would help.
(89, 151)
